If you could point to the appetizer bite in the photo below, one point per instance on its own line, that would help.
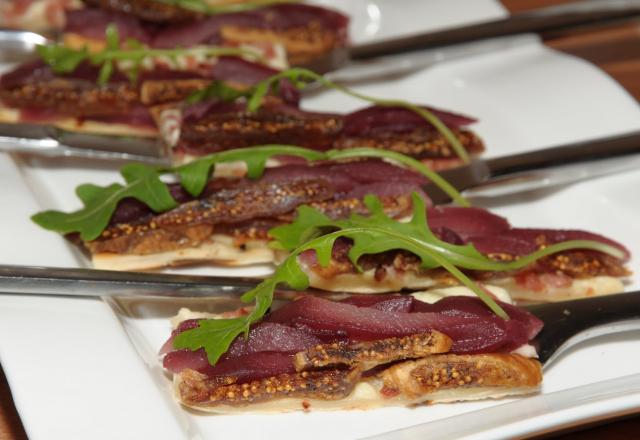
(306, 32)
(570, 273)
(357, 352)
(228, 222)
(215, 119)
(147, 224)
(110, 91)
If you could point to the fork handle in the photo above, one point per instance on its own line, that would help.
(541, 20)
(570, 322)
(579, 152)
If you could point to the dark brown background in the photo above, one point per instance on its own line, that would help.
(616, 49)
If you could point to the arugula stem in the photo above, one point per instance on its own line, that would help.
(418, 245)
(405, 160)
(297, 73)
(134, 54)
(559, 247)
(426, 114)
(203, 7)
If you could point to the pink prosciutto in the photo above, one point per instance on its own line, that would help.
(473, 327)
(311, 320)
(200, 133)
(397, 120)
(492, 234)
(344, 180)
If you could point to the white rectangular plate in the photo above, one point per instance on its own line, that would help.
(77, 371)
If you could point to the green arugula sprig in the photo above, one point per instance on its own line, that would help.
(129, 55)
(218, 90)
(202, 7)
(301, 77)
(370, 235)
(415, 236)
(143, 183)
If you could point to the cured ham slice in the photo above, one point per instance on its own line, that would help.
(213, 126)
(465, 222)
(303, 327)
(472, 326)
(398, 120)
(520, 241)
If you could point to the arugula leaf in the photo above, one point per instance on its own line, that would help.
(105, 73)
(143, 183)
(220, 90)
(62, 59)
(216, 335)
(194, 175)
(308, 224)
(301, 77)
(308, 221)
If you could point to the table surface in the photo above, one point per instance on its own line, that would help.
(615, 49)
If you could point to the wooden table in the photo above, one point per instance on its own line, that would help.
(616, 49)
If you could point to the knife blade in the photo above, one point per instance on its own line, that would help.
(542, 168)
(55, 281)
(16, 45)
(45, 140)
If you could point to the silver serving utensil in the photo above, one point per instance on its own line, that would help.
(16, 46)
(542, 168)
(487, 178)
(415, 52)
(566, 323)
(49, 141)
(103, 283)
